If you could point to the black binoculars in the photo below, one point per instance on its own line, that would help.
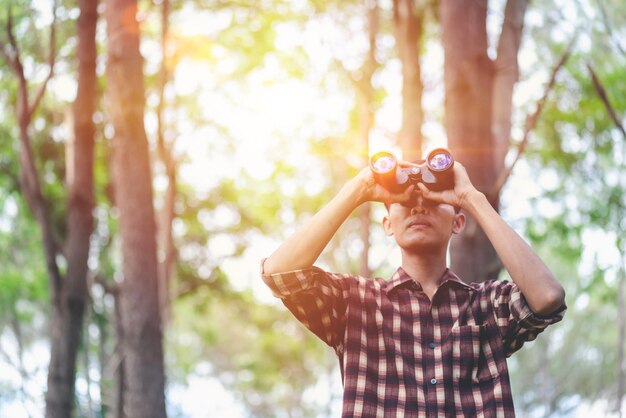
(435, 172)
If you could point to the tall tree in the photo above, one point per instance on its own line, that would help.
(67, 321)
(408, 22)
(68, 294)
(365, 103)
(166, 155)
(478, 93)
(139, 301)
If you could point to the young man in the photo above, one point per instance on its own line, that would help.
(424, 343)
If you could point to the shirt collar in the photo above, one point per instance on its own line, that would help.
(402, 278)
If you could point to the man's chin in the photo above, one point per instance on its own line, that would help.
(422, 247)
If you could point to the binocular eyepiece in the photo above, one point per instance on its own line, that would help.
(435, 172)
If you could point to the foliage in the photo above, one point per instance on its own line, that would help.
(578, 157)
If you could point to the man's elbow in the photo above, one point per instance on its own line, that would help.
(551, 302)
(267, 266)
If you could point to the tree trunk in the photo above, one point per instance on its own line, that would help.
(408, 31)
(139, 303)
(67, 298)
(67, 321)
(621, 328)
(505, 76)
(365, 98)
(118, 373)
(166, 240)
(478, 114)
(168, 213)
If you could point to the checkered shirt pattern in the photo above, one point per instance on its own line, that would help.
(403, 356)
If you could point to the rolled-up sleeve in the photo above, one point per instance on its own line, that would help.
(315, 297)
(516, 321)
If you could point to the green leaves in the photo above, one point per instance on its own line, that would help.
(578, 141)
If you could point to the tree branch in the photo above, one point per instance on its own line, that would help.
(531, 121)
(15, 59)
(29, 181)
(51, 62)
(605, 99)
(609, 27)
(3, 50)
(16, 65)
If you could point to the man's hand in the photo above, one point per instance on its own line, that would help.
(371, 191)
(459, 196)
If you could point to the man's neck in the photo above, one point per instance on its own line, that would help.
(424, 267)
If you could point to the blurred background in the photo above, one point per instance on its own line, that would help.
(137, 198)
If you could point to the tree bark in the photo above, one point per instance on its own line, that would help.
(478, 105)
(365, 98)
(408, 32)
(68, 296)
(139, 300)
(621, 328)
(67, 321)
(118, 371)
(506, 75)
(168, 212)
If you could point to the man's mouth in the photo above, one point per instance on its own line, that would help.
(418, 223)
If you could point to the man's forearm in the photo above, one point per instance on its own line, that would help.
(302, 248)
(541, 290)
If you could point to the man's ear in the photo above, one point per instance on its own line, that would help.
(387, 225)
(459, 223)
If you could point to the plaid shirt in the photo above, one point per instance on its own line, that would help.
(403, 356)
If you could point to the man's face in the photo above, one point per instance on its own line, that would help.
(424, 225)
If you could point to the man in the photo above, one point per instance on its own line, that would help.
(422, 344)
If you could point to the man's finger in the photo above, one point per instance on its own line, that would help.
(429, 194)
(425, 190)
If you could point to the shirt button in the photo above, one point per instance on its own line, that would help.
(433, 381)
(431, 345)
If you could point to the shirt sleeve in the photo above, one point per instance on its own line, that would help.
(516, 321)
(315, 297)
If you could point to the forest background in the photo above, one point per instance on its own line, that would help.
(153, 153)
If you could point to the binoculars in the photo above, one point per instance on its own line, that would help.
(435, 172)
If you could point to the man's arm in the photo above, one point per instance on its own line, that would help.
(301, 249)
(543, 293)
(541, 290)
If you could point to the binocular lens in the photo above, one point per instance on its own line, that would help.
(440, 161)
(435, 172)
(383, 163)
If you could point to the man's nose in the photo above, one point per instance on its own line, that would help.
(418, 206)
